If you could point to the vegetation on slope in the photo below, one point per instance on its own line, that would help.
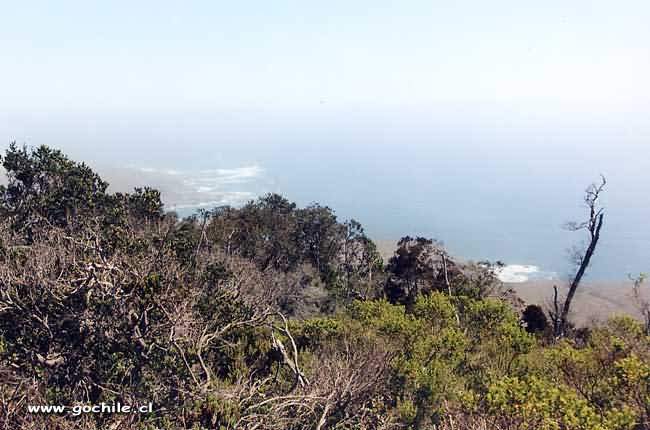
(271, 316)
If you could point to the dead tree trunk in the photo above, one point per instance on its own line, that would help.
(593, 225)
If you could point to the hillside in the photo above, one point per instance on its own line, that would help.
(274, 316)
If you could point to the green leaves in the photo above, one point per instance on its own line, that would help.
(537, 404)
(47, 189)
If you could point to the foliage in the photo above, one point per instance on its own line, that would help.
(533, 403)
(535, 319)
(274, 233)
(271, 316)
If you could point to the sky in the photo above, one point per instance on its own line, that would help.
(477, 123)
(143, 56)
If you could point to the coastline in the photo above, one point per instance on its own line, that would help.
(595, 300)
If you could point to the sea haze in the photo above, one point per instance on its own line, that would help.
(491, 183)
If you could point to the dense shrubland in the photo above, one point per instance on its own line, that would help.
(271, 316)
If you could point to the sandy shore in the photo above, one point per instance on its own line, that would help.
(594, 301)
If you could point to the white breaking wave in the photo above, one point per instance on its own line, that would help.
(236, 175)
(195, 189)
(518, 273)
(232, 198)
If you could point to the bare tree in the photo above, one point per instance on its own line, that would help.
(592, 225)
(348, 379)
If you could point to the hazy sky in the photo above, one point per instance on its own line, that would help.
(475, 122)
(151, 55)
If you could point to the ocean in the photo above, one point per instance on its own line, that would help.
(491, 184)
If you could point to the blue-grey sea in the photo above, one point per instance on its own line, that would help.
(491, 184)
